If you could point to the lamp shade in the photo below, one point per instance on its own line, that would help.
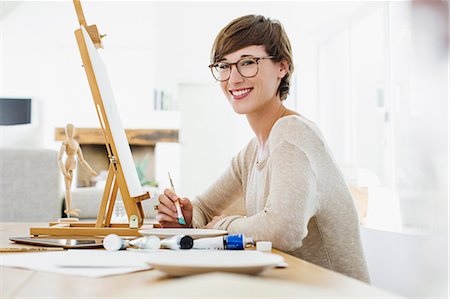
(15, 111)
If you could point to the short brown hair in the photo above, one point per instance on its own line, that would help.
(257, 30)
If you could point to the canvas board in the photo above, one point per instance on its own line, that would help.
(113, 118)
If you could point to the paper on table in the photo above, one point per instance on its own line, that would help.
(90, 263)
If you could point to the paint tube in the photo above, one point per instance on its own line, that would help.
(229, 242)
(149, 242)
(113, 242)
(177, 242)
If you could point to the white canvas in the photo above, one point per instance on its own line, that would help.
(113, 117)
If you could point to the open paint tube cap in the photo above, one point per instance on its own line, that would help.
(186, 242)
(264, 246)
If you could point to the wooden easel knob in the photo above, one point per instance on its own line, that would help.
(95, 36)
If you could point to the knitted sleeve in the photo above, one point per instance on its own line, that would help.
(290, 205)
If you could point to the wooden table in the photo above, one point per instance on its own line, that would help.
(299, 279)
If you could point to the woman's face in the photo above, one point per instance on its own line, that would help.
(248, 95)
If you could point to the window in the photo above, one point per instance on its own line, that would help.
(384, 119)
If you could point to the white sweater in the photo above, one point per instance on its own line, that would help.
(296, 197)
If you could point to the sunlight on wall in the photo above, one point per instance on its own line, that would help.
(383, 112)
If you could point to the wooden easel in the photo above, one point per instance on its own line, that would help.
(116, 179)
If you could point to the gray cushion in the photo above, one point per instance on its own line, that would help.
(30, 187)
(88, 200)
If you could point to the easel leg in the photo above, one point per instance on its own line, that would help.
(106, 197)
(112, 202)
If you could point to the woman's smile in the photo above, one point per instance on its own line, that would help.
(240, 93)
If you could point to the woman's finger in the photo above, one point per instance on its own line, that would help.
(165, 210)
(164, 200)
(171, 195)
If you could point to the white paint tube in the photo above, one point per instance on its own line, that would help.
(177, 242)
(113, 242)
(149, 242)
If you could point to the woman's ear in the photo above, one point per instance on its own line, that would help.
(284, 68)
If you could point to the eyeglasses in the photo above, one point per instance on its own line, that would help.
(247, 67)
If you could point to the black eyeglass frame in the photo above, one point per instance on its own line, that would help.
(257, 59)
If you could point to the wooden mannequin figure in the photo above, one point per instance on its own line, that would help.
(71, 147)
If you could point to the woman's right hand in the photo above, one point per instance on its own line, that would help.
(166, 214)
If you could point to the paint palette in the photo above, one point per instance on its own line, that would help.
(194, 233)
(187, 262)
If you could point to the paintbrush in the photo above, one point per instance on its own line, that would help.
(177, 204)
(29, 249)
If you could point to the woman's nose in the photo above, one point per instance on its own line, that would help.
(235, 76)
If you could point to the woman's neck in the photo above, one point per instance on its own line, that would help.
(263, 119)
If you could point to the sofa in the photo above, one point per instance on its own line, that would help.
(88, 200)
(31, 189)
(30, 185)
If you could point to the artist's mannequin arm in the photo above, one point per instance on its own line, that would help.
(84, 163)
(62, 150)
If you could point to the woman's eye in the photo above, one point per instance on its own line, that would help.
(247, 62)
(223, 66)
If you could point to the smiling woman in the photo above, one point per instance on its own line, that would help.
(294, 194)
(257, 79)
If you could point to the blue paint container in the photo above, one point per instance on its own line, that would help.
(234, 242)
(229, 242)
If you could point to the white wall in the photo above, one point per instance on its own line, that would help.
(211, 134)
(40, 59)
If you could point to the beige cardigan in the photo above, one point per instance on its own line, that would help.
(296, 198)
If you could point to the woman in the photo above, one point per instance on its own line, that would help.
(294, 194)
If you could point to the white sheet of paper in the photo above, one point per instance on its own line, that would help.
(89, 263)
